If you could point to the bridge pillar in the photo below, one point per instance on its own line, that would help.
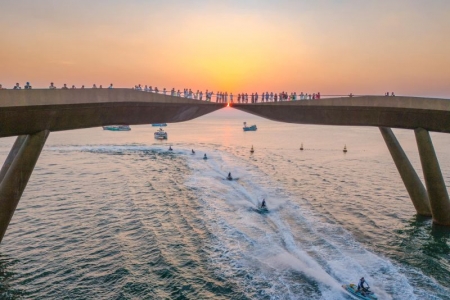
(413, 184)
(12, 154)
(19, 165)
(437, 191)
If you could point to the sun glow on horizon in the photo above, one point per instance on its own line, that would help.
(334, 48)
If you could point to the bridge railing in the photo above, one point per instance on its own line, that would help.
(243, 98)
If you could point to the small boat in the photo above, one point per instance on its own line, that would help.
(159, 125)
(252, 150)
(345, 149)
(365, 294)
(250, 128)
(117, 128)
(161, 134)
(205, 157)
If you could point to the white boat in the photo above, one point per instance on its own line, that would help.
(161, 134)
(117, 128)
(249, 128)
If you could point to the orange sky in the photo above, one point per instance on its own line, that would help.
(335, 47)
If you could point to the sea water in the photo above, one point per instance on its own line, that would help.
(115, 215)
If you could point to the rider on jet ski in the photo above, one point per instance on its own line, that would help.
(361, 286)
(263, 204)
(229, 176)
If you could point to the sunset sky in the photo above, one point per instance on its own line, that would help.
(335, 46)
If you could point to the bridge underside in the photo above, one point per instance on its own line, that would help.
(29, 111)
(392, 112)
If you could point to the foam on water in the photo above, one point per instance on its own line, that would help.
(289, 240)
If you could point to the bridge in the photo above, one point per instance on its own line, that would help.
(33, 114)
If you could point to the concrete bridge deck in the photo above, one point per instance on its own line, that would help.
(31, 111)
(380, 111)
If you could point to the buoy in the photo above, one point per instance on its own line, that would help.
(345, 149)
(301, 147)
(252, 150)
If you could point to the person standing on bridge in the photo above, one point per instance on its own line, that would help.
(110, 86)
(52, 87)
(1, 87)
(65, 87)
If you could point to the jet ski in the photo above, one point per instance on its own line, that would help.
(365, 293)
(229, 176)
(205, 157)
(193, 152)
(170, 148)
(263, 207)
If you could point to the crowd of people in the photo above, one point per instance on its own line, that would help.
(220, 97)
(27, 86)
(224, 97)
